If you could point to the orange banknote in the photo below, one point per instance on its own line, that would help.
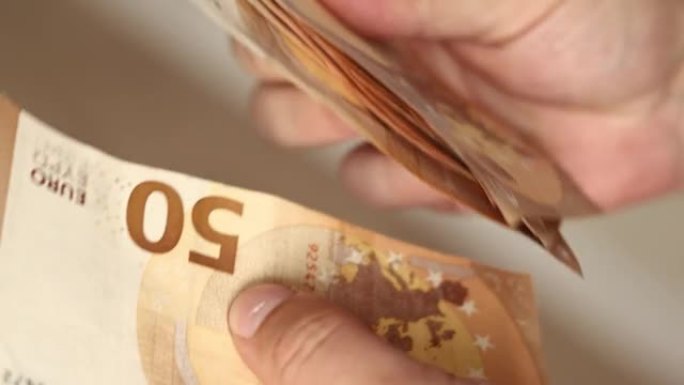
(118, 273)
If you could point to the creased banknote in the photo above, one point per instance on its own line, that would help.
(401, 106)
(115, 273)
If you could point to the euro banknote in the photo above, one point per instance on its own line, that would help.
(117, 273)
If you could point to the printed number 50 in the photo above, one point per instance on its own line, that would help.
(175, 220)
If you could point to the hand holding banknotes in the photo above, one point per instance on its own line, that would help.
(293, 339)
(599, 87)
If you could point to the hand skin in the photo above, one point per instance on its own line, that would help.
(598, 83)
(299, 339)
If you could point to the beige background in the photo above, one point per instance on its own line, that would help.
(152, 81)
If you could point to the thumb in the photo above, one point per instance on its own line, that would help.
(299, 339)
(482, 19)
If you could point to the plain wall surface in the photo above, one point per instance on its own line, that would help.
(152, 81)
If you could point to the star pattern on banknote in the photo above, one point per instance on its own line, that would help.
(484, 343)
(355, 257)
(476, 374)
(395, 259)
(469, 308)
(435, 277)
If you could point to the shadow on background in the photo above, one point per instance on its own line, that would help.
(70, 69)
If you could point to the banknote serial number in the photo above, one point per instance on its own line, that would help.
(10, 377)
(175, 222)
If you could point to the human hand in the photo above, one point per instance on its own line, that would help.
(600, 85)
(299, 339)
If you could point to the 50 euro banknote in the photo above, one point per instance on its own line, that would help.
(116, 273)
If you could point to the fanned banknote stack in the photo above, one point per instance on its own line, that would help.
(115, 273)
(408, 113)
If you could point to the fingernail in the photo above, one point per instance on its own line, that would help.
(252, 307)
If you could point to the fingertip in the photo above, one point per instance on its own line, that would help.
(287, 116)
(265, 105)
(251, 308)
(363, 175)
(382, 182)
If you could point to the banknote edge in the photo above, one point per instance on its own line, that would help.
(9, 120)
(10, 117)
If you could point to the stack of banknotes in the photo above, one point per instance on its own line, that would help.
(400, 104)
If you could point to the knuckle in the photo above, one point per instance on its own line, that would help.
(310, 336)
